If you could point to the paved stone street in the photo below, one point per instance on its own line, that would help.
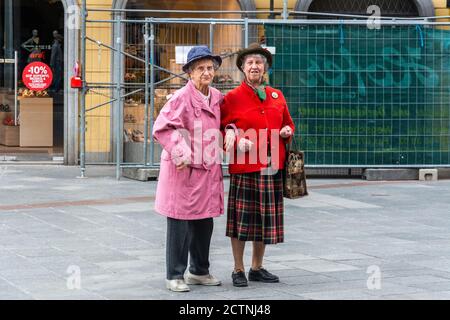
(97, 238)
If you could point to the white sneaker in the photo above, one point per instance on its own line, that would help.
(206, 280)
(177, 285)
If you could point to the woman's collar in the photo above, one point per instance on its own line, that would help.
(192, 85)
(252, 86)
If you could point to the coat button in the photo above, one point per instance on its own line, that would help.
(262, 111)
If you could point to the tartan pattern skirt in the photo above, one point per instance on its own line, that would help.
(255, 207)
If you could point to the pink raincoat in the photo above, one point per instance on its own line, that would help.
(195, 192)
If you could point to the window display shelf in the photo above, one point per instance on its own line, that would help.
(36, 122)
(9, 135)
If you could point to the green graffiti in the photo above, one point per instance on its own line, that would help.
(392, 64)
(366, 96)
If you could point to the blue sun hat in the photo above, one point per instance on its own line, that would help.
(200, 52)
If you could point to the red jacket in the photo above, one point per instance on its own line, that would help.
(246, 111)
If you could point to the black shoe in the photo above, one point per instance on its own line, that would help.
(239, 279)
(262, 275)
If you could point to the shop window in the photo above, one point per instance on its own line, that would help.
(33, 29)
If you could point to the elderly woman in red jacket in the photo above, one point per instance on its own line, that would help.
(262, 126)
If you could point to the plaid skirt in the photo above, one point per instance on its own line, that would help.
(255, 207)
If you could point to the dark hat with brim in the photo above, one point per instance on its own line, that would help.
(199, 53)
(254, 48)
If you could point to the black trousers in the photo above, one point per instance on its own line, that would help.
(185, 237)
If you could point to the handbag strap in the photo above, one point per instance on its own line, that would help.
(292, 142)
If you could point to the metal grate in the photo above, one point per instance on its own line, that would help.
(334, 172)
(397, 8)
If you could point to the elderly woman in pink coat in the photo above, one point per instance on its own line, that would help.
(190, 184)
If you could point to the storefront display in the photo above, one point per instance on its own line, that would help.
(36, 122)
(4, 108)
(134, 117)
(9, 136)
(9, 133)
(34, 48)
(57, 61)
(32, 58)
(37, 76)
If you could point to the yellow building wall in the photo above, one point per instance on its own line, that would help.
(98, 69)
(440, 7)
(264, 5)
(440, 3)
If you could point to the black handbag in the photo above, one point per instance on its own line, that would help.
(294, 182)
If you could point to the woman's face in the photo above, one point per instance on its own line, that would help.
(254, 68)
(202, 72)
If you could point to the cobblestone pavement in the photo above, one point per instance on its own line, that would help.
(62, 237)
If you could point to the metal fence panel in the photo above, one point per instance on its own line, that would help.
(366, 97)
(169, 39)
(360, 97)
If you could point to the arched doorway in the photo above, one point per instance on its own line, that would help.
(245, 5)
(170, 39)
(225, 39)
(170, 36)
(399, 8)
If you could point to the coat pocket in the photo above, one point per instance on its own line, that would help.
(191, 177)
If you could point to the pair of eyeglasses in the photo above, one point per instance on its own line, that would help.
(204, 69)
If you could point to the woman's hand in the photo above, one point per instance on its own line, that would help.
(182, 165)
(230, 138)
(286, 132)
(245, 145)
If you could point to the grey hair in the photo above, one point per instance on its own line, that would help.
(266, 65)
(192, 66)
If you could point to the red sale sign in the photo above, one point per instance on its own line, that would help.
(37, 76)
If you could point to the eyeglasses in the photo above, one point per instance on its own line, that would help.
(203, 69)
